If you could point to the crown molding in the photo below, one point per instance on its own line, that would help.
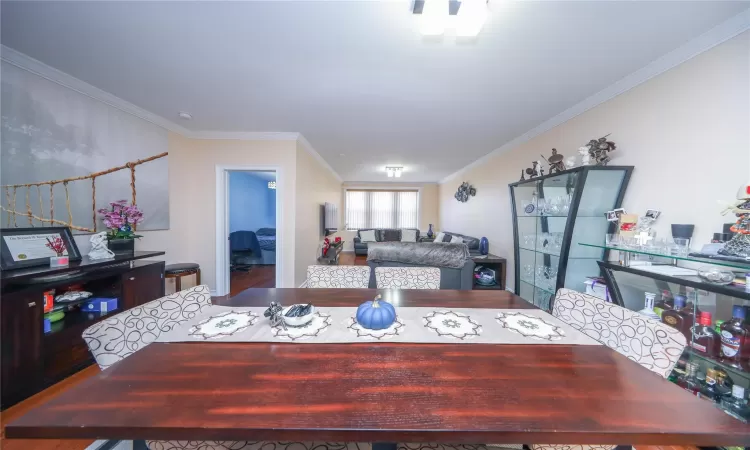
(36, 67)
(307, 146)
(244, 135)
(706, 41)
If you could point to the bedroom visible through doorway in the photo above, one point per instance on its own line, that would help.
(251, 203)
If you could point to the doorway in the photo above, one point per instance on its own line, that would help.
(250, 230)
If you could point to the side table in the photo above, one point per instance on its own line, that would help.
(332, 258)
(493, 262)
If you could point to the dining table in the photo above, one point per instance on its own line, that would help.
(382, 391)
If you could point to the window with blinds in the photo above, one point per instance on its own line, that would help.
(381, 209)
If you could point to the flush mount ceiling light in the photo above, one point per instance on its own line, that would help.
(184, 115)
(271, 185)
(394, 172)
(466, 16)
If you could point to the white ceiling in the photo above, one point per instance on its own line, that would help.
(355, 77)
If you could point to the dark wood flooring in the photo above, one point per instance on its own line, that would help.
(350, 259)
(257, 277)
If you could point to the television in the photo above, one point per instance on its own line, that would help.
(330, 218)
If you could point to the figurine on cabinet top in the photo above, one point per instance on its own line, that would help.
(533, 171)
(599, 150)
(555, 162)
(739, 245)
(585, 158)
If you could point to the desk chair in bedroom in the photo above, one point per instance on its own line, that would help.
(244, 250)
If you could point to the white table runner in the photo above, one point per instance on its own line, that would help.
(414, 325)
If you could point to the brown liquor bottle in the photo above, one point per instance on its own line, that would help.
(680, 317)
(706, 340)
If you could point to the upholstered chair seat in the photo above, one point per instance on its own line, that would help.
(407, 277)
(338, 276)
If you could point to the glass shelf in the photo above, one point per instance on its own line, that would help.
(715, 262)
(710, 362)
(545, 289)
(539, 251)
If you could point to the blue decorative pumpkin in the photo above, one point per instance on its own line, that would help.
(376, 314)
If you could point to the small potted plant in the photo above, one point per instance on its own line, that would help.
(57, 245)
(121, 219)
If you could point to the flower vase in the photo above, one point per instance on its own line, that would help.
(484, 246)
(430, 233)
(121, 246)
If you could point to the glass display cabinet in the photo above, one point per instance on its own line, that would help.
(552, 211)
(713, 317)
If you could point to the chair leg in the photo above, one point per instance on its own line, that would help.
(177, 283)
(198, 278)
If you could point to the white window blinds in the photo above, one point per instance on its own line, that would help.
(381, 209)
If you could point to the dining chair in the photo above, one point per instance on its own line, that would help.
(652, 344)
(338, 276)
(123, 334)
(407, 277)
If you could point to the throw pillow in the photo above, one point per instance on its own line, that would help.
(440, 236)
(367, 236)
(456, 240)
(408, 235)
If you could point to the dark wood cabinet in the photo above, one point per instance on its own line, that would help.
(142, 284)
(21, 327)
(33, 359)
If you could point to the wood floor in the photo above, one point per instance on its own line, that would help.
(257, 277)
(350, 259)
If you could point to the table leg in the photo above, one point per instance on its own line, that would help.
(384, 446)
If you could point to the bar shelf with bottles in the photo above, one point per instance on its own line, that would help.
(553, 212)
(715, 320)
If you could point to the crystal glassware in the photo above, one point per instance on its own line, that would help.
(611, 240)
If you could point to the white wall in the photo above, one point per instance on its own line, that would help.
(192, 200)
(686, 132)
(316, 185)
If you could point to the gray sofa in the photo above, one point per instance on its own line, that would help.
(455, 264)
(471, 242)
(381, 235)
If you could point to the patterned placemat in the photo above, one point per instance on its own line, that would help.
(415, 325)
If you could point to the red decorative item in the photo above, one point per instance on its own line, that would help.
(326, 246)
(56, 245)
(337, 239)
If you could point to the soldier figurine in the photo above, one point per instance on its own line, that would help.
(555, 162)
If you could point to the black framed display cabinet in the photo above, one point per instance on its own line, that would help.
(552, 211)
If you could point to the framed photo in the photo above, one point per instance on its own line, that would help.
(611, 216)
(653, 213)
(26, 247)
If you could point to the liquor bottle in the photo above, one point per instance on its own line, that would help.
(736, 405)
(735, 339)
(706, 340)
(708, 390)
(724, 383)
(665, 304)
(648, 308)
(690, 381)
(680, 317)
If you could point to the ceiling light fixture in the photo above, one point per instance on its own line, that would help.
(184, 115)
(271, 185)
(394, 172)
(467, 17)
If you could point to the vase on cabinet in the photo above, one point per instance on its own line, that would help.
(430, 233)
(121, 246)
(484, 246)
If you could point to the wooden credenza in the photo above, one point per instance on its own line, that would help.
(33, 359)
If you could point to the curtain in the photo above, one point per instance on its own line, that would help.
(381, 209)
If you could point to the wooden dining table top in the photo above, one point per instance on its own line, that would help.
(382, 392)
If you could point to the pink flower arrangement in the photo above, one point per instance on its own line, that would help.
(56, 245)
(121, 219)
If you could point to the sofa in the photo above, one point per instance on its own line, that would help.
(453, 260)
(471, 242)
(381, 235)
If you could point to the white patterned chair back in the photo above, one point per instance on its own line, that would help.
(123, 334)
(407, 277)
(651, 344)
(338, 276)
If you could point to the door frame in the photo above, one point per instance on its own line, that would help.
(222, 221)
